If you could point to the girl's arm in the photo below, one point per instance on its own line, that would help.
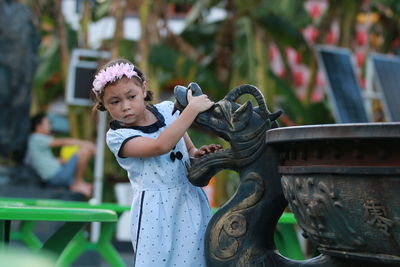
(189, 145)
(195, 153)
(149, 147)
(57, 142)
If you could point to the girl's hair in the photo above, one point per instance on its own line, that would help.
(36, 120)
(139, 79)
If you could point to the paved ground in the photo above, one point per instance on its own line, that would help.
(92, 259)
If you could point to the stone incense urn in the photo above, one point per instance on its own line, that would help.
(342, 182)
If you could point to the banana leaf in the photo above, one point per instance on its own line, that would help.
(169, 60)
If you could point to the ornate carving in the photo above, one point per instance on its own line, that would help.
(377, 216)
(315, 202)
(226, 232)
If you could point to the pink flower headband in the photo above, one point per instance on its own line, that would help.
(111, 74)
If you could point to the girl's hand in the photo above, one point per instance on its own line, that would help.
(207, 150)
(199, 103)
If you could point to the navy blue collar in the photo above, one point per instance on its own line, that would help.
(152, 128)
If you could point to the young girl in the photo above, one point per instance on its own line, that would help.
(169, 215)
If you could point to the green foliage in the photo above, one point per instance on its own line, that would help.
(392, 5)
(202, 36)
(101, 10)
(281, 30)
(127, 48)
(72, 37)
(245, 57)
(163, 57)
(167, 60)
(284, 33)
(48, 83)
(49, 66)
(184, 2)
(285, 9)
(389, 22)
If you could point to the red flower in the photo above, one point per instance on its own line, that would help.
(361, 38)
(315, 11)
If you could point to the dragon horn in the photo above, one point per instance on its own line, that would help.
(235, 93)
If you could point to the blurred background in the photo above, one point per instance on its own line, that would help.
(50, 50)
(219, 44)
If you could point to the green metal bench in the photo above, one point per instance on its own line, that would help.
(285, 235)
(80, 243)
(75, 219)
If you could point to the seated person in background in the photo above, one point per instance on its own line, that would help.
(51, 169)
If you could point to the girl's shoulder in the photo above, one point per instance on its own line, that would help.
(122, 134)
(116, 138)
(165, 106)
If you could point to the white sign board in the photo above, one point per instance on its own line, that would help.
(82, 68)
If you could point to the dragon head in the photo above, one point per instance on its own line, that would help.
(242, 125)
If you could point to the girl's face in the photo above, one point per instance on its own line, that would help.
(124, 99)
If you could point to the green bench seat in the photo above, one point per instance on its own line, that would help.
(75, 219)
(80, 243)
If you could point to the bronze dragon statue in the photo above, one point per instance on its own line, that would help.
(241, 233)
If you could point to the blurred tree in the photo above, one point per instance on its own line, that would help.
(118, 12)
(53, 52)
(234, 50)
(219, 54)
(388, 25)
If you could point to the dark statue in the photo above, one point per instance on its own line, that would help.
(19, 41)
(277, 162)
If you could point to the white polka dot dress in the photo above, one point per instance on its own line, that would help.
(169, 216)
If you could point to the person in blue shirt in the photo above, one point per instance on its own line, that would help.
(51, 169)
